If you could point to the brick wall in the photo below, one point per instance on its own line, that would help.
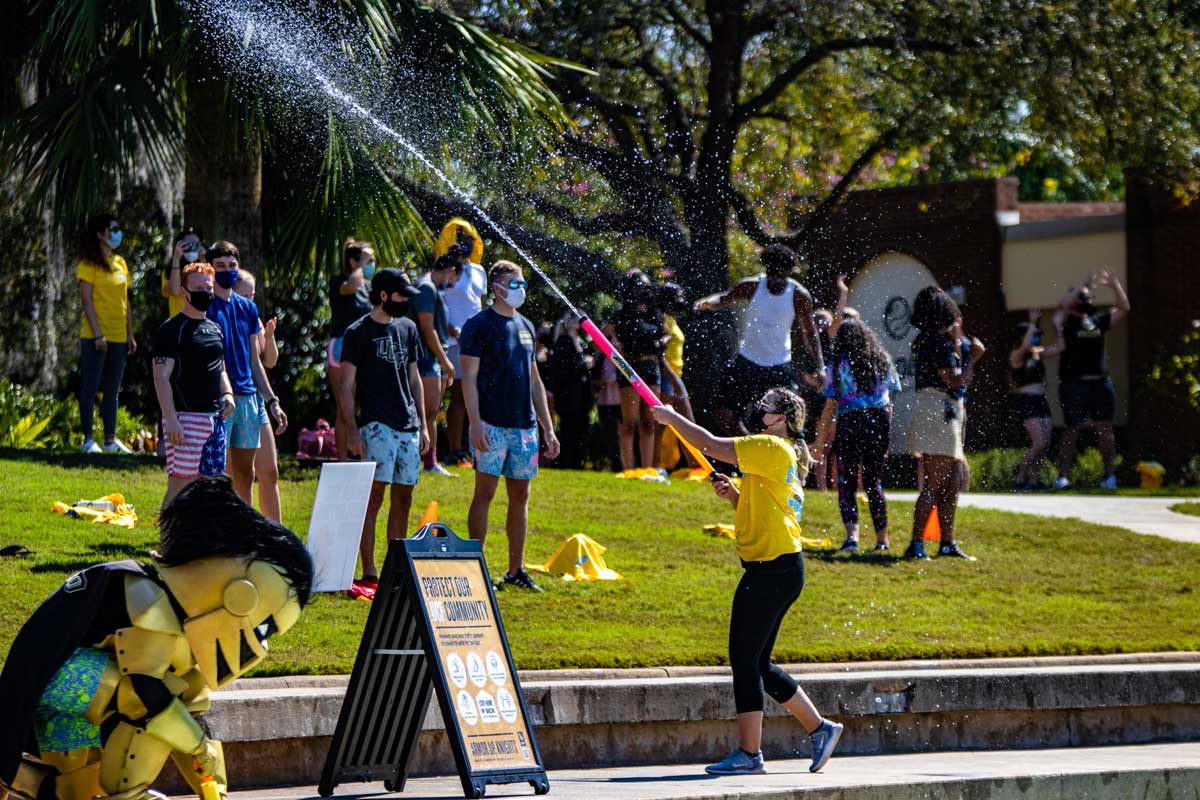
(951, 228)
(1164, 291)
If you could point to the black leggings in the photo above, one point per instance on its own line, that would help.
(862, 441)
(764, 594)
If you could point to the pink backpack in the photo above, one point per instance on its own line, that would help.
(317, 445)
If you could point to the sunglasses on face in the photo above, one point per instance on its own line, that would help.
(767, 408)
(114, 228)
(516, 284)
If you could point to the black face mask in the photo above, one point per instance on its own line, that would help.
(200, 300)
(395, 308)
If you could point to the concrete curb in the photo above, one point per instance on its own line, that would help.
(279, 735)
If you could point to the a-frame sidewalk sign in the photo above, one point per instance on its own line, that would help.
(434, 624)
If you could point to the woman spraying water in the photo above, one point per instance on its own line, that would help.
(767, 522)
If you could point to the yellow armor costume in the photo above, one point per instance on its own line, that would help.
(200, 625)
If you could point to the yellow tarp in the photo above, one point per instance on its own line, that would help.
(122, 515)
(688, 474)
(643, 474)
(725, 531)
(579, 558)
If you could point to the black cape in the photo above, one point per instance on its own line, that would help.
(62, 623)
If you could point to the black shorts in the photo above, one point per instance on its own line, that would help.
(1030, 406)
(745, 382)
(648, 371)
(1087, 400)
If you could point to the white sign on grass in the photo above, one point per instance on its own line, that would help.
(336, 525)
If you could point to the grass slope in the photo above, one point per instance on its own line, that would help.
(1187, 508)
(1040, 586)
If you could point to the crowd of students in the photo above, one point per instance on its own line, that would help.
(400, 351)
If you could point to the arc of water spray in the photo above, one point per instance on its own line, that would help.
(598, 338)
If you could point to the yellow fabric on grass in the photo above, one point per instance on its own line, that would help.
(642, 474)
(579, 558)
(768, 513)
(110, 296)
(122, 515)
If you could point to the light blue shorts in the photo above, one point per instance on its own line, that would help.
(243, 428)
(397, 454)
(512, 453)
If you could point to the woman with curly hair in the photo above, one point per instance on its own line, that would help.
(859, 382)
(935, 430)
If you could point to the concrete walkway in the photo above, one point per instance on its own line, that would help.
(1165, 770)
(1148, 515)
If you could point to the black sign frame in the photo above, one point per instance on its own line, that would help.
(398, 621)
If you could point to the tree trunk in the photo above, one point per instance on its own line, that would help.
(223, 180)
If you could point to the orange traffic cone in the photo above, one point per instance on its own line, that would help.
(933, 529)
(430, 515)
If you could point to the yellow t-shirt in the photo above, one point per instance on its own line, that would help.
(174, 301)
(767, 521)
(110, 295)
(674, 351)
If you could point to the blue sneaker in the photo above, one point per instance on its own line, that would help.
(824, 739)
(738, 763)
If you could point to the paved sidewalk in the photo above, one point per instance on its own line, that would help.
(1147, 515)
(1096, 773)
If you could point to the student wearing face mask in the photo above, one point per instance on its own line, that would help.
(437, 372)
(767, 510)
(266, 458)
(379, 356)
(106, 332)
(1085, 388)
(188, 248)
(505, 401)
(349, 300)
(193, 389)
(257, 405)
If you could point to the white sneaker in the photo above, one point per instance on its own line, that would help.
(90, 446)
(1109, 483)
(438, 469)
(1061, 483)
(116, 446)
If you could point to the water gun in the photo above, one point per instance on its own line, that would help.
(636, 381)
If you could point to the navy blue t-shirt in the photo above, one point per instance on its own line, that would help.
(504, 347)
(238, 320)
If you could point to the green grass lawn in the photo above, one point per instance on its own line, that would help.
(1040, 587)
(1187, 508)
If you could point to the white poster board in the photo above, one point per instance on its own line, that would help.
(336, 525)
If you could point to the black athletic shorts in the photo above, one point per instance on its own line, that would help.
(648, 371)
(745, 382)
(1084, 400)
(1030, 406)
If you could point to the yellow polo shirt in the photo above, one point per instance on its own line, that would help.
(767, 521)
(110, 295)
(174, 301)
(674, 350)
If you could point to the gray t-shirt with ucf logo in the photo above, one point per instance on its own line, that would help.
(381, 355)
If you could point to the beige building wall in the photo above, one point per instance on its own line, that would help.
(1038, 269)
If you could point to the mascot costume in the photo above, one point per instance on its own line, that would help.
(102, 682)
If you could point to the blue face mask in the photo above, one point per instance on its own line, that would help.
(115, 238)
(369, 270)
(226, 279)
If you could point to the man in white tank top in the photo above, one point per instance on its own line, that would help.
(776, 328)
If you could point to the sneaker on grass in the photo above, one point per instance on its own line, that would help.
(1061, 483)
(438, 469)
(824, 739)
(849, 546)
(1109, 483)
(916, 552)
(520, 580)
(116, 446)
(952, 550)
(738, 762)
(90, 446)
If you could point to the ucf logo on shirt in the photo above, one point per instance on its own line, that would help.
(389, 350)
